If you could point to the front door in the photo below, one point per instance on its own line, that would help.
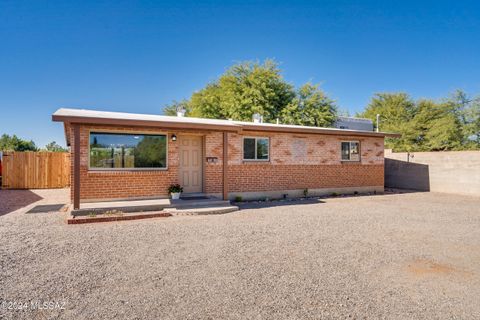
(190, 168)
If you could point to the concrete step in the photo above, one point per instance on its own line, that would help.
(119, 216)
(119, 208)
(97, 208)
(116, 217)
(197, 203)
(191, 211)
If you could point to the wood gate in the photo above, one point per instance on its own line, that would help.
(35, 170)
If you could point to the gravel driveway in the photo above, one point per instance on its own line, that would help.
(399, 256)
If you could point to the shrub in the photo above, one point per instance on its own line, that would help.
(175, 188)
(238, 199)
(305, 192)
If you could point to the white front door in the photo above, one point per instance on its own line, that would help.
(190, 167)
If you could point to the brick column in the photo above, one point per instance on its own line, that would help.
(225, 166)
(76, 166)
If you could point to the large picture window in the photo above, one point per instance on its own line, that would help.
(350, 151)
(256, 149)
(127, 151)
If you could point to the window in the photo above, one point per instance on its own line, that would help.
(256, 149)
(350, 151)
(127, 151)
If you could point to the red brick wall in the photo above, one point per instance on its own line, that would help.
(267, 177)
(296, 162)
(126, 184)
(299, 161)
(213, 173)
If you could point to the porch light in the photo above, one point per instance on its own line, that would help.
(174, 137)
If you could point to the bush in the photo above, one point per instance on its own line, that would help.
(238, 199)
(175, 188)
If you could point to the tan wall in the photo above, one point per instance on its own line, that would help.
(450, 172)
(297, 161)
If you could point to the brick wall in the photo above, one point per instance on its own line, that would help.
(213, 177)
(297, 161)
(126, 184)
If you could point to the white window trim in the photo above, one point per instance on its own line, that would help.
(94, 169)
(359, 151)
(255, 160)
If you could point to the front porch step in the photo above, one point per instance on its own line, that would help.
(193, 211)
(119, 208)
(135, 206)
(117, 217)
(197, 203)
(168, 212)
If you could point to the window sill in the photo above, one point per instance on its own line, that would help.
(255, 161)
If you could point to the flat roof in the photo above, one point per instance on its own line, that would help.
(70, 116)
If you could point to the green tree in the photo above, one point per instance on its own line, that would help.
(397, 111)
(245, 89)
(171, 109)
(472, 126)
(436, 126)
(13, 143)
(310, 107)
(427, 125)
(207, 103)
(467, 110)
(55, 147)
(252, 87)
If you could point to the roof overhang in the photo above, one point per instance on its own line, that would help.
(90, 117)
(146, 123)
(315, 130)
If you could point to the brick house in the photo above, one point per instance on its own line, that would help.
(135, 156)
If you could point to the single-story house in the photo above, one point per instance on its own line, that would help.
(137, 156)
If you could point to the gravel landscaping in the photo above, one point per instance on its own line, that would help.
(399, 256)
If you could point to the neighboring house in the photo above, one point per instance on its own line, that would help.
(133, 156)
(354, 123)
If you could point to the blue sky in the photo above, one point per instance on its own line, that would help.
(136, 56)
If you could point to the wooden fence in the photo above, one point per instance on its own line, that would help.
(35, 170)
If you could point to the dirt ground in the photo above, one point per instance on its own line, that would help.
(398, 256)
(24, 200)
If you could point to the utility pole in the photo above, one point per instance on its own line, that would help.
(378, 122)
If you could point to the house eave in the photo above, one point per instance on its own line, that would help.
(323, 131)
(145, 123)
(89, 117)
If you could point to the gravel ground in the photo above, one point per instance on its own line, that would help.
(401, 256)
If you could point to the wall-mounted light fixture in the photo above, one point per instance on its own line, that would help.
(174, 137)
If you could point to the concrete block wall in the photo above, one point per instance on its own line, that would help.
(450, 172)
